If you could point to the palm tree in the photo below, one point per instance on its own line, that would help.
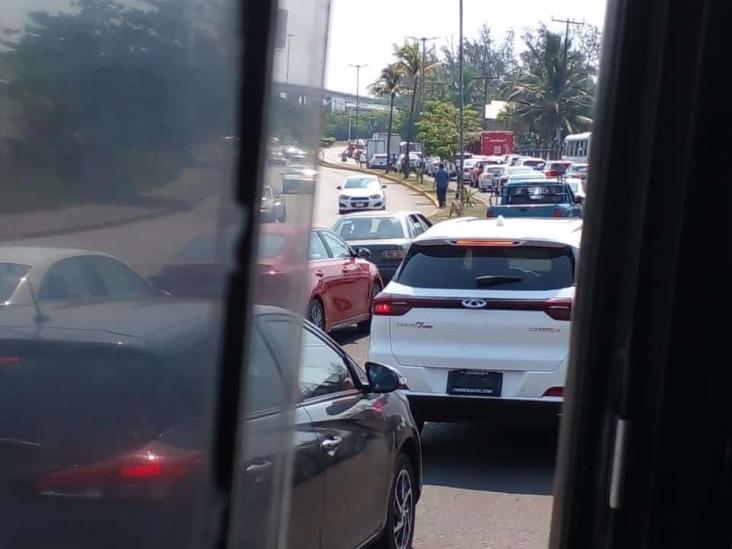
(409, 64)
(389, 85)
(554, 94)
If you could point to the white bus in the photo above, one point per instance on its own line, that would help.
(577, 147)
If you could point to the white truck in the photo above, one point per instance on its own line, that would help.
(374, 146)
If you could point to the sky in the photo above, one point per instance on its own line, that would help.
(363, 32)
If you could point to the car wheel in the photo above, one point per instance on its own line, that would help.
(365, 325)
(316, 313)
(399, 530)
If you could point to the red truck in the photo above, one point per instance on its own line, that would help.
(496, 143)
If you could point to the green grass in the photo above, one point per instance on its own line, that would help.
(443, 213)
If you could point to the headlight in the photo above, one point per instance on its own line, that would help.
(375, 196)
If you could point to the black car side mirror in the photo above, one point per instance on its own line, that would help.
(382, 378)
(339, 188)
(363, 253)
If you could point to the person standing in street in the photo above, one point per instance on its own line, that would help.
(442, 180)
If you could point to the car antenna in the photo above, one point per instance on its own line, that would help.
(40, 315)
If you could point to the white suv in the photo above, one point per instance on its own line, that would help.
(477, 317)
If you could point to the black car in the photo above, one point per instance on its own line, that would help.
(387, 235)
(273, 208)
(105, 431)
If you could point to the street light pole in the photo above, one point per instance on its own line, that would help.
(424, 40)
(358, 85)
(462, 107)
(287, 67)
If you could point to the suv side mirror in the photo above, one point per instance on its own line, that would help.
(383, 379)
(363, 253)
(339, 187)
(383, 186)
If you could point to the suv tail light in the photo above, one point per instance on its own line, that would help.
(386, 306)
(558, 212)
(554, 392)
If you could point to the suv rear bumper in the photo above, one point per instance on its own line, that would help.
(517, 384)
(432, 407)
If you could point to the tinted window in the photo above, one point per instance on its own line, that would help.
(468, 267)
(369, 228)
(322, 370)
(10, 276)
(317, 248)
(69, 278)
(267, 390)
(540, 194)
(117, 279)
(336, 245)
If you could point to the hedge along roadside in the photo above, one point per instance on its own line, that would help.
(415, 188)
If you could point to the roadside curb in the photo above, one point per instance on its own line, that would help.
(432, 198)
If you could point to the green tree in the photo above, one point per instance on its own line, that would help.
(389, 85)
(553, 92)
(115, 97)
(439, 128)
(409, 65)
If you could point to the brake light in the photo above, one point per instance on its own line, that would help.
(559, 308)
(131, 475)
(388, 307)
(487, 243)
(554, 392)
(558, 212)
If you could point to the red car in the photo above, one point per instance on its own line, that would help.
(341, 281)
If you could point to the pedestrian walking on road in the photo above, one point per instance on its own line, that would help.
(442, 180)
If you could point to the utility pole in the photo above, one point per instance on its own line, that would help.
(462, 107)
(358, 85)
(567, 23)
(424, 40)
(287, 68)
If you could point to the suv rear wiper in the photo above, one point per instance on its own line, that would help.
(495, 280)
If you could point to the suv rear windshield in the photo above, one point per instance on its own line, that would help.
(480, 267)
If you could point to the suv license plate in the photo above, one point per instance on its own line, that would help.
(474, 383)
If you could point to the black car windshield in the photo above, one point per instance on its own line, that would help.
(369, 228)
(360, 183)
(480, 267)
(538, 194)
(10, 276)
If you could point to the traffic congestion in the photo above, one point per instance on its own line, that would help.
(234, 314)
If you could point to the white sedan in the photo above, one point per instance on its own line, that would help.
(361, 192)
(35, 274)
